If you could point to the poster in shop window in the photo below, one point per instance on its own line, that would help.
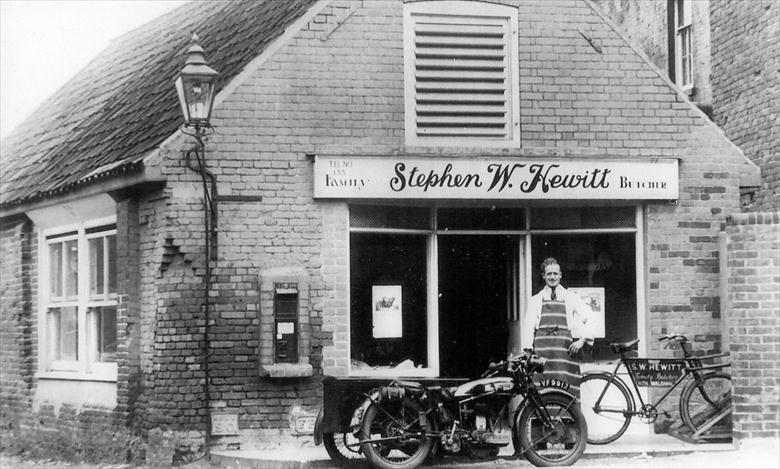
(593, 297)
(386, 306)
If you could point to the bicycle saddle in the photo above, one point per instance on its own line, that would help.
(619, 347)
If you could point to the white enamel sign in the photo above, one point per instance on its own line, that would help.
(390, 177)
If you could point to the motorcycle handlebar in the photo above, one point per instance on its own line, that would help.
(531, 362)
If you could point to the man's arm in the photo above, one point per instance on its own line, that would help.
(529, 324)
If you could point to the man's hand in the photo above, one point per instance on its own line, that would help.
(576, 346)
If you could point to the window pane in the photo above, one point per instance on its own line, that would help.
(377, 216)
(112, 264)
(686, 57)
(105, 322)
(63, 333)
(683, 12)
(55, 269)
(96, 267)
(388, 285)
(72, 268)
(582, 217)
(480, 218)
(603, 261)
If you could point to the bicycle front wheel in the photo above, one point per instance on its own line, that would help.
(607, 405)
(707, 400)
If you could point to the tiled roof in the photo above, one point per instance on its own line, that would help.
(123, 104)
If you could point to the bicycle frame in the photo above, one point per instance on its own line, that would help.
(691, 368)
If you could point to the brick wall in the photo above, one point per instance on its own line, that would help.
(753, 322)
(18, 344)
(40, 429)
(746, 86)
(646, 24)
(128, 310)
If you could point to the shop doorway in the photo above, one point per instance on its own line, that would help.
(474, 298)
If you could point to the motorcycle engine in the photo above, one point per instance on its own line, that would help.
(488, 428)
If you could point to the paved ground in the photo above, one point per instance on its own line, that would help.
(757, 454)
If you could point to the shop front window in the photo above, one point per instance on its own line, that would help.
(388, 308)
(601, 268)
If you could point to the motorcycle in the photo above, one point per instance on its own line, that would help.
(399, 425)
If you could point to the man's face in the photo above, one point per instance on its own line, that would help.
(552, 275)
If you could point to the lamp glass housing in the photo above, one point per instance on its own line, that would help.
(196, 96)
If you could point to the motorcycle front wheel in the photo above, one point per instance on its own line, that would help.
(561, 441)
(392, 435)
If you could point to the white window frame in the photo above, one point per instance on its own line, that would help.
(683, 27)
(86, 366)
(525, 269)
(454, 8)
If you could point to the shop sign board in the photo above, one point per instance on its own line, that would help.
(655, 371)
(391, 177)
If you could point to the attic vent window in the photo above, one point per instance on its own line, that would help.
(461, 73)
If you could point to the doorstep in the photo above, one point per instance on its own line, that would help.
(295, 457)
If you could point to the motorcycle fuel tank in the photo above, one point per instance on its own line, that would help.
(480, 386)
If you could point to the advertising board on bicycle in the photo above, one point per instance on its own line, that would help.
(655, 371)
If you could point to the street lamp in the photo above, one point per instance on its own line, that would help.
(195, 86)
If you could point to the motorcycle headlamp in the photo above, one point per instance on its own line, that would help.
(535, 364)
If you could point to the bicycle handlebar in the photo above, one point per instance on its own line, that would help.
(676, 337)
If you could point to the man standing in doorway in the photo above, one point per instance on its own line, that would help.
(557, 324)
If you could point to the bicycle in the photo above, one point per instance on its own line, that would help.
(609, 405)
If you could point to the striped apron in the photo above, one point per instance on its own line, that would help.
(551, 341)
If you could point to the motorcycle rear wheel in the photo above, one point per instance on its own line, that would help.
(560, 444)
(343, 448)
(393, 437)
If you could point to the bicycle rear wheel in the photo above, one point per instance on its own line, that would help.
(607, 418)
(699, 403)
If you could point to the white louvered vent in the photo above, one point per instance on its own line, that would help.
(462, 77)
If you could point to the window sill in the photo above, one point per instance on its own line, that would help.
(287, 370)
(106, 377)
(688, 89)
(74, 389)
(393, 372)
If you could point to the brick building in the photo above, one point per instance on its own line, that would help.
(388, 176)
(731, 51)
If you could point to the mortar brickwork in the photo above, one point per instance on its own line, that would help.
(645, 23)
(746, 86)
(18, 345)
(753, 322)
(42, 430)
(337, 88)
